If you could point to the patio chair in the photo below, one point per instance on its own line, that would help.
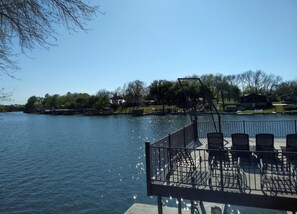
(240, 142)
(291, 148)
(182, 165)
(291, 142)
(278, 175)
(224, 173)
(215, 142)
(183, 156)
(265, 145)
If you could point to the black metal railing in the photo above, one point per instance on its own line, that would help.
(180, 138)
(270, 173)
(176, 166)
(160, 157)
(278, 128)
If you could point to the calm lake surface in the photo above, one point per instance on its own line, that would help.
(80, 164)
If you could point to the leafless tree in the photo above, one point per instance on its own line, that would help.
(270, 83)
(233, 80)
(259, 82)
(135, 91)
(31, 23)
(5, 96)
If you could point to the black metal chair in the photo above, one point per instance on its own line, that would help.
(277, 173)
(265, 145)
(240, 145)
(182, 165)
(224, 173)
(291, 148)
(215, 142)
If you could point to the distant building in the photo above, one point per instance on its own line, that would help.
(289, 98)
(149, 102)
(253, 101)
(107, 111)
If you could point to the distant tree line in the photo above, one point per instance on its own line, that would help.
(218, 87)
(11, 108)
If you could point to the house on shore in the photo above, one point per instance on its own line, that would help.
(254, 101)
(289, 98)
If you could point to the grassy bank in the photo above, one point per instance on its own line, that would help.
(155, 109)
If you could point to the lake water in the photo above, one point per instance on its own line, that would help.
(80, 164)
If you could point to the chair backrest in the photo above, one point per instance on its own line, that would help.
(240, 141)
(291, 142)
(264, 142)
(215, 140)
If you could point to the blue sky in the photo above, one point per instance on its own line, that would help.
(167, 39)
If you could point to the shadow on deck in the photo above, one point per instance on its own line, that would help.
(188, 170)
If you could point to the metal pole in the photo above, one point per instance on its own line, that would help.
(184, 130)
(179, 206)
(192, 207)
(220, 125)
(196, 129)
(148, 168)
(160, 209)
(221, 169)
(170, 152)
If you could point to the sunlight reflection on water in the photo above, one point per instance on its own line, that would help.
(59, 164)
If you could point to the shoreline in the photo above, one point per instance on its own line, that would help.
(155, 113)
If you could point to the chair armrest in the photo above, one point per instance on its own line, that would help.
(294, 171)
(238, 161)
(211, 163)
(261, 166)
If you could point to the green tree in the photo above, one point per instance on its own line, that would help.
(82, 100)
(286, 88)
(161, 91)
(135, 91)
(33, 103)
(51, 101)
(101, 100)
(29, 106)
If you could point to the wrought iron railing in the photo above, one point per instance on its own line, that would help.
(182, 138)
(278, 128)
(271, 173)
(177, 166)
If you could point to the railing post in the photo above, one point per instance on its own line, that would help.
(148, 168)
(170, 152)
(195, 124)
(192, 207)
(179, 211)
(243, 126)
(184, 130)
(221, 169)
(220, 125)
(160, 209)
(296, 126)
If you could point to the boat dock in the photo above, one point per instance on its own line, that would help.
(153, 209)
(183, 166)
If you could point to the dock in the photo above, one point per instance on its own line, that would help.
(183, 166)
(153, 209)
